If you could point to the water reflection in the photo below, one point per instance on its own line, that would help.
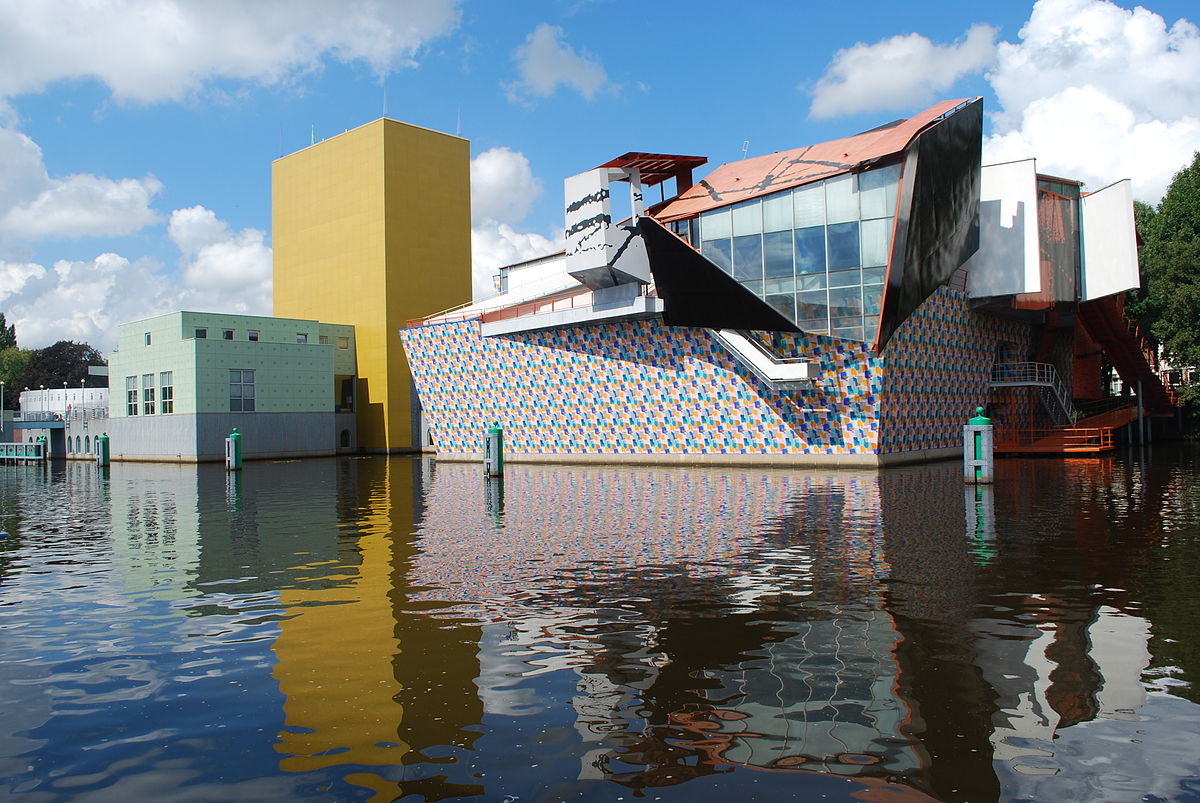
(383, 629)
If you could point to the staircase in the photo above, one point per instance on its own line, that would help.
(1041, 375)
(1104, 319)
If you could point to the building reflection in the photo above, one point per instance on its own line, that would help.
(891, 628)
(881, 626)
(367, 684)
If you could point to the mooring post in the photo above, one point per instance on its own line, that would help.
(493, 451)
(102, 456)
(977, 448)
(233, 451)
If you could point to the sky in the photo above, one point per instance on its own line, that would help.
(136, 136)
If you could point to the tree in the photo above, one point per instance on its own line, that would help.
(14, 362)
(1168, 303)
(65, 361)
(8, 334)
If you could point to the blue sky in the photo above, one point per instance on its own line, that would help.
(136, 136)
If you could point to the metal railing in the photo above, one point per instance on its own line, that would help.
(1049, 439)
(22, 451)
(37, 415)
(552, 304)
(1041, 374)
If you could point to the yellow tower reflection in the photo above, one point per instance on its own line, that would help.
(365, 682)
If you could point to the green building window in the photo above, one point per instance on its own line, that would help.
(148, 394)
(241, 391)
(166, 383)
(131, 399)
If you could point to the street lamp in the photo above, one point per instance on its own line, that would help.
(64, 400)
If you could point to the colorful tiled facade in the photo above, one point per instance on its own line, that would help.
(639, 387)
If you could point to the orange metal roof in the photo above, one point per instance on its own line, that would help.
(762, 175)
(656, 168)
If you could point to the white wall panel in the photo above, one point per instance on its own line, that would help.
(1007, 259)
(1110, 260)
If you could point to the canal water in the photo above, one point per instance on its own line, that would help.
(380, 629)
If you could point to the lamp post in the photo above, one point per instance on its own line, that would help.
(64, 400)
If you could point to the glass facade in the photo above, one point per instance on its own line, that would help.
(817, 253)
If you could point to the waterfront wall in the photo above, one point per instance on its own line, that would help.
(641, 391)
(639, 388)
(184, 437)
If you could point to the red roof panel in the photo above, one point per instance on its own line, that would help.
(762, 175)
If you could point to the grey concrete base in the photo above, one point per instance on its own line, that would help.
(759, 460)
(197, 438)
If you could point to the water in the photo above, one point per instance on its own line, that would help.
(372, 629)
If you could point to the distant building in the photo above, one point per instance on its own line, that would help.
(373, 228)
(181, 382)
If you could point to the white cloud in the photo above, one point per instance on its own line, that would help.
(34, 206)
(81, 301)
(155, 50)
(503, 186)
(899, 73)
(84, 205)
(1115, 146)
(503, 189)
(546, 62)
(85, 300)
(494, 245)
(1099, 93)
(235, 265)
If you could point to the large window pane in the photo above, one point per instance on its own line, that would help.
(843, 245)
(755, 286)
(773, 287)
(848, 332)
(810, 250)
(813, 308)
(877, 191)
(747, 257)
(720, 252)
(784, 304)
(812, 281)
(777, 253)
(809, 203)
(777, 213)
(845, 278)
(747, 219)
(715, 225)
(872, 275)
(872, 299)
(845, 307)
(876, 235)
(841, 201)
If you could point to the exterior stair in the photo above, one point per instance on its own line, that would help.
(1104, 319)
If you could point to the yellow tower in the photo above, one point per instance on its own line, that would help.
(373, 228)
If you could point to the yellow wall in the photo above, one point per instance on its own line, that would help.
(373, 228)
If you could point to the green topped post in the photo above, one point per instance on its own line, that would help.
(233, 451)
(493, 451)
(977, 448)
(102, 455)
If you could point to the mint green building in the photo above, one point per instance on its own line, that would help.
(180, 383)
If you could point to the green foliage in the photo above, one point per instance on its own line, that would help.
(1168, 304)
(65, 361)
(14, 363)
(8, 334)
